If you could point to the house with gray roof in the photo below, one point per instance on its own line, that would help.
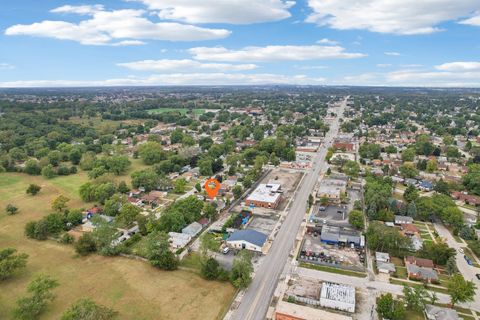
(247, 239)
(421, 273)
(192, 229)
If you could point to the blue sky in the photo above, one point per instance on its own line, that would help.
(176, 42)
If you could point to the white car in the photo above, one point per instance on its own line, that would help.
(460, 250)
(226, 250)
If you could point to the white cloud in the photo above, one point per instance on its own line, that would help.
(175, 79)
(104, 27)
(221, 11)
(6, 66)
(128, 43)
(459, 66)
(327, 42)
(188, 65)
(391, 53)
(83, 10)
(384, 65)
(454, 74)
(273, 53)
(473, 21)
(404, 17)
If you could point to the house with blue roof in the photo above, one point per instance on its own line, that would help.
(426, 186)
(247, 239)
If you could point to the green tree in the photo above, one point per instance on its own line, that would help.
(48, 172)
(460, 290)
(451, 266)
(210, 269)
(351, 168)
(86, 244)
(432, 165)
(388, 308)
(408, 170)
(60, 203)
(411, 194)
(179, 186)
(356, 219)
(438, 252)
(471, 180)
(237, 191)
(32, 167)
(415, 297)
(151, 152)
(241, 274)
(11, 209)
(11, 262)
(198, 187)
(408, 155)
(158, 252)
(127, 215)
(87, 309)
(33, 189)
(442, 187)
(39, 295)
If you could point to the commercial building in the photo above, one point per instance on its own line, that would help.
(338, 296)
(247, 239)
(265, 196)
(332, 189)
(338, 235)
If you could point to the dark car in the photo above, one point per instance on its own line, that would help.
(468, 260)
(478, 276)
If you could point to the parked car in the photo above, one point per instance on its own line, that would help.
(468, 260)
(478, 276)
(460, 250)
(322, 208)
(226, 250)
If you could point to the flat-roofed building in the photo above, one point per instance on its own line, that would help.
(338, 296)
(265, 195)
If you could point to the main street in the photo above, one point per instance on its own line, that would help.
(255, 302)
(465, 269)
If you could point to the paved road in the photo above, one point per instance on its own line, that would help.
(466, 270)
(255, 302)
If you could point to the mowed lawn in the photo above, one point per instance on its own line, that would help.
(134, 288)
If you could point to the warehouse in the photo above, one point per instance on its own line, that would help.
(247, 239)
(338, 296)
(337, 235)
(265, 196)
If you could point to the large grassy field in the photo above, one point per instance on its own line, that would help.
(134, 288)
(182, 111)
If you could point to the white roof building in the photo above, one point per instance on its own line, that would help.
(338, 296)
(265, 195)
(178, 240)
(382, 257)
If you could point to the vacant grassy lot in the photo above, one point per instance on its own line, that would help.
(332, 270)
(182, 111)
(134, 288)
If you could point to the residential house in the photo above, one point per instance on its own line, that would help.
(382, 257)
(400, 220)
(421, 269)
